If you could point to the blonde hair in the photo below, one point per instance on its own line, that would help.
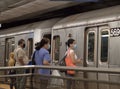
(11, 61)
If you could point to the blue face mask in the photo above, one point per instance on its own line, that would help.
(49, 46)
(75, 46)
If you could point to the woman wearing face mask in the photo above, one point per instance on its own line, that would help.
(42, 57)
(71, 60)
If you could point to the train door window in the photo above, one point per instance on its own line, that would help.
(30, 47)
(104, 45)
(90, 46)
(56, 48)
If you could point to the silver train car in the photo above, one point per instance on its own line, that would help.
(97, 34)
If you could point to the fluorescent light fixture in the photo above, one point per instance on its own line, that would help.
(78, 0)
(0, 25)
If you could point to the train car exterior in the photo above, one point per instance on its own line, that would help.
(31, 33)
(98, 35)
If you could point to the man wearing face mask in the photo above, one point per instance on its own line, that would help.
(21, 60)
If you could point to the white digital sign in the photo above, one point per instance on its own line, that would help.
(114, 32)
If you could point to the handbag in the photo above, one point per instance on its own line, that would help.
(69, 63)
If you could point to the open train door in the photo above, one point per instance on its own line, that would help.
(96, 54)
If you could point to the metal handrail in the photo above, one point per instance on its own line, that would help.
(82, 69)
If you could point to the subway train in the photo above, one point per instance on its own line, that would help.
(96, 32)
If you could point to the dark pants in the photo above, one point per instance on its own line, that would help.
(21, 81)
(70, 83)
(12, 83)
(43, 83)
(12, 79)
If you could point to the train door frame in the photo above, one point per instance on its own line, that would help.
(49, 36)
(8, 51)
(105, 64)
(7, 48)
(97, 63)
(92, 62)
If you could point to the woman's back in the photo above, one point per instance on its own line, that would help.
(40, 56)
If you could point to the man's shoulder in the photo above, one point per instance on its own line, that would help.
(18, 49)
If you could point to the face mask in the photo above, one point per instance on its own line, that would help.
(23, 45)
(49, 46)
(75, 46)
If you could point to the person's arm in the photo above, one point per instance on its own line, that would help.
(46, 60)
(20, 55)
(72, 54)
(21, 61)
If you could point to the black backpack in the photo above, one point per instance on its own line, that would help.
(33, 58)
(32, 62)
(62, 63)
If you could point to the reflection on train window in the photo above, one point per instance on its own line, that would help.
(56, 48)
(91, 46)
(104, 46)
(30, 47)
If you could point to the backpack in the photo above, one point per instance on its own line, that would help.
(32, 62)
(62, 63)
(11, 62)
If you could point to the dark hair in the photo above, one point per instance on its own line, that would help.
(70, 41)
(44, 41)
(21, 41)
(37, 46)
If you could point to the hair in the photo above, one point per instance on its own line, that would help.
(20, 41)
(44, 41)
(37, 46)
(70, 41)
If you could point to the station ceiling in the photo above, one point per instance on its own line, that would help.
(10, 9)
(26, 11)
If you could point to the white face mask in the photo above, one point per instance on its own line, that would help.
(49, 46)
(75, 46)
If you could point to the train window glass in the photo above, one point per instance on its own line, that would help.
(56, 48)
(30, 47)
(91, 46)
(104, 46)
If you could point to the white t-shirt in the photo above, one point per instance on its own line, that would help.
(19, 53)
(71, 51)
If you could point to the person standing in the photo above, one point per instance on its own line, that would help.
(71, 60)
(21, 60)
(42, 57)
(11, 63)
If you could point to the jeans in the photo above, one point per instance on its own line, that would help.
(12, 83)
(70, 83)
(20, 81)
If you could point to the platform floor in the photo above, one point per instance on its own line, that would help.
(4, 86)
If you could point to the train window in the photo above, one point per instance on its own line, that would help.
(90, 46)
(10, 46)
(56, 48)
(30, 47)
(104, 46)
